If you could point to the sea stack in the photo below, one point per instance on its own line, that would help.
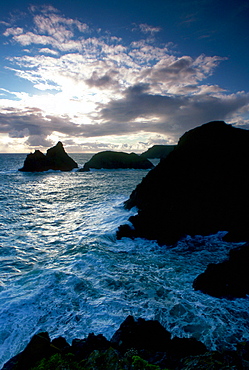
(117, 160)
(55, 159)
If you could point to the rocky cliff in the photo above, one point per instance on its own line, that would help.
(199, 188)
(158, 151)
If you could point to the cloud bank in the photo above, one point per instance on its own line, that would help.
(90, 85)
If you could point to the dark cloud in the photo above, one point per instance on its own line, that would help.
(137, 89)
(34, 126)
(183, 65)
(19, 134)
(19, 124)
(138, 111)
(138, 103)
(173, 114)
(102, 82)
(38, 141)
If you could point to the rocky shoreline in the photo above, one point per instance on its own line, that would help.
(200, 188)
(137, 345)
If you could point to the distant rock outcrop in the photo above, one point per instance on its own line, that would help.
(116, 160)
(200, 188)
(229, 279)
(158, 151)
(55, 159)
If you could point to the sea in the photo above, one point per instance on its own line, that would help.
(63, 271)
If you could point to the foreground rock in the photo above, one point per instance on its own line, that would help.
(55, 159)
(136, 345)
(229, 279)
(116, 160)
(158, 151)
(201, 187)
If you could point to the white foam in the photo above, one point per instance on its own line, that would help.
(63, 270)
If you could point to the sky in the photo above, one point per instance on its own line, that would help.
(119, 75)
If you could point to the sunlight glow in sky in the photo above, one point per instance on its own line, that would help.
(118, 83)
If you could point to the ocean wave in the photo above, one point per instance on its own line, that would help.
(63, 271)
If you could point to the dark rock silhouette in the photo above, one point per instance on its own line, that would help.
(227, 279)
(82, 348)
(158, 151)
(116, 160)
(36, 161)
(141, 334)
(134, 338)
(55, 159)
(137, 344)
(38, 348)
(201, 187)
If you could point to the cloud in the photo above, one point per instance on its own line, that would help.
(53, 26)
(103, 81)
(19, 134)
(60, 28)
(43, 9)
(173, 73)
(48, 51)
(38, 141)
(51, 22)
(93, 87)
(172, 114)
(160, 119)
(49, 28)
(13, 31)
(31, 122)
(29, 38)
(138, 103)
(145, 28)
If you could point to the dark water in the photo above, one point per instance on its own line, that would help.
(63, 271)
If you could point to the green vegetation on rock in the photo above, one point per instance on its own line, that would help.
(59, 362)
(140, 364)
